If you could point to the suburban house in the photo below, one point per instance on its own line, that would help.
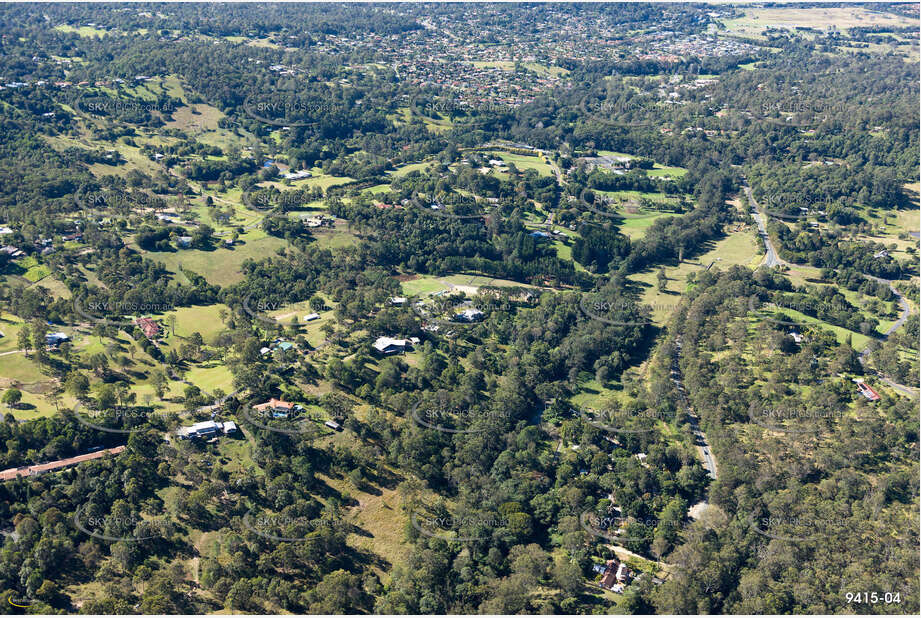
(56, 339)
(206, 429)
(609, 579)
(867, 391)
(333, 425)
(469, 315)
(277, 407)
(310, 317)
(13, 252)
(389, 345)
(150, 328)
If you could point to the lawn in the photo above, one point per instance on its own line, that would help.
(737, 248)
(222, 265)
(204, 319)
(757, 19)
(524, 162)
(664, 170)
(422, 285)
(83, 31)
(406, 169)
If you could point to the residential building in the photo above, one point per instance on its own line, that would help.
(469, 315)
(206, 429)
(390, 345)
(150, 328)
(275, 406)
(56, 339)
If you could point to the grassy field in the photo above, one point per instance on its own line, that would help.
(422, 286)
(664, 170)
(203, 319)
(406, 169)
(737, 248)
(84, 31)
(756, 19)
(524, 162)
(222, 265)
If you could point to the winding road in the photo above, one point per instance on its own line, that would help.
(772, 258)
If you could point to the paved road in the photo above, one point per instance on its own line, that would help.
(700, 438)
(771, 258)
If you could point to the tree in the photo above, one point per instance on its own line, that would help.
(24, 339)
(12, 397)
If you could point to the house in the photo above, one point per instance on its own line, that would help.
(297, 175)
(333, 425)
(598, 568)
(310, 317)
(469, 315)
(13, 252)
(798, 338)
(276, 406)
(56, 339)
(610, 575)
(397, 300)
(389, 345)
(4, 230)
(867, 391)
(206, 429)
(150, 328)
(184, 241)
(623, 573)
(881, 254)
(539, 235)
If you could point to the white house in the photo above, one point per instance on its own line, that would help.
(206, 429)
(389, 345)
